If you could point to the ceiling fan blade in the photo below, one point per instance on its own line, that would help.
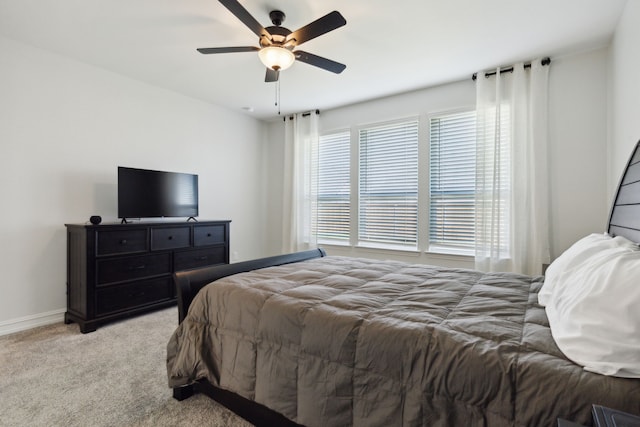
(320, 26)
(208, 50)
(271, 76)
(319, 61)
(247, 19)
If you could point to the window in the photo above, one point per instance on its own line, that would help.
(388, 185)
(452, 178)
(333, 205)
(393, 209)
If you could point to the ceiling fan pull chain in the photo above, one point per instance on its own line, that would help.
(278, 95)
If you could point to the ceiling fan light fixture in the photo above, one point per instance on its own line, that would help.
(275, 57)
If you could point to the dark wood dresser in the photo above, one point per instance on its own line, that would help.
(119, 270)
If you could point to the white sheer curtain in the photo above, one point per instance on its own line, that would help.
(300, 175)
(512, 226)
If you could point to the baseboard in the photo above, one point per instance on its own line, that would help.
(28, 322)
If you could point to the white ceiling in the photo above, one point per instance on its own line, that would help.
(389, 46)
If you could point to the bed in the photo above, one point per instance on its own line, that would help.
(315, 340)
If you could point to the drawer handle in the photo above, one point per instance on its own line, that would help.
(170, 237)
(138, 267)
(208, 234)
(123, 241)
(201, 258)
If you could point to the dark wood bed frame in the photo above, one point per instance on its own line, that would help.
(624, 220)
(188, 283)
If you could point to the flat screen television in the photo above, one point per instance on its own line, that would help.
(144, 193)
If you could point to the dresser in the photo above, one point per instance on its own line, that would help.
(120, 270)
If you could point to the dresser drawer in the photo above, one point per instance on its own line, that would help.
(121, 297)
(204, 235)
(200, 257)
(169, 238)
(121, 241)
(134, 267)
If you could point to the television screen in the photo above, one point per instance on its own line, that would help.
(146, 193)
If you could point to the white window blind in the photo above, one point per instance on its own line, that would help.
(452, 174)
(333, 204)
(388, 184)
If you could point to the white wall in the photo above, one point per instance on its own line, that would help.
(65, 127)
(577, 138)
(625, 92)
(274, 184)
(578, 147)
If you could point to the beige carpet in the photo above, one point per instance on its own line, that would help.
(56, 376)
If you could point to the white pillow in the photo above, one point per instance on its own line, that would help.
(578, 254)
(594, 313)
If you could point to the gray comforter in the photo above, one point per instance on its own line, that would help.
(342, 341)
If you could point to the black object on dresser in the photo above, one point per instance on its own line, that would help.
(119, 270)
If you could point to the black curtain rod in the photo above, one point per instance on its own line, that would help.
(544, 61)
(308, 113)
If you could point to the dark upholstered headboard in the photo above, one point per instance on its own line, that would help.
(624, 219)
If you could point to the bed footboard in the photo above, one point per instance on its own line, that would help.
(189, 282)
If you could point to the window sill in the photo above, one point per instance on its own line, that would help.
(406, 255)
(441, 253)
(386, 247)
(373, 249)
(444, 250)
(337, 243)
(451, 256)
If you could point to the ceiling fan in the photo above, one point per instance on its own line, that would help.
(277, 43)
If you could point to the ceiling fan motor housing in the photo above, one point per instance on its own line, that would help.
(277, 17)
(278, 36)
